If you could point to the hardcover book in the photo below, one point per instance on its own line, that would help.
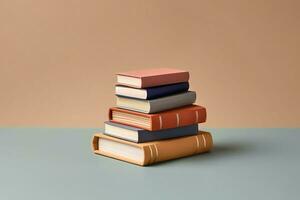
(183, 116)
(151, 152)
(139, 135)
(157, 105)
(153, 92)
(152, 77)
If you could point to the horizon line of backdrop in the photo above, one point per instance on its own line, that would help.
(58, 58)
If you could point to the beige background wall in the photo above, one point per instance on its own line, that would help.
(58, 58)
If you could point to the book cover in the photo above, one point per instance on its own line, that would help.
(152, 77)
(157, 105)
(151, 152)
(183, 116)
(152, 92)
(139, 135)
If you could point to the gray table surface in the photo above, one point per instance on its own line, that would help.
(40, 163)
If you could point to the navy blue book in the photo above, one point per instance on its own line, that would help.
(140, 135)
(152, 92)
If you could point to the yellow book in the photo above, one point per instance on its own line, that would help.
(151, 152)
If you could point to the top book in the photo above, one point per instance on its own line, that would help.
(152, 77)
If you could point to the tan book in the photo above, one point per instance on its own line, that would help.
(151, 152)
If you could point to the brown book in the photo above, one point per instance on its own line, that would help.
(151, 152)
(183, 116)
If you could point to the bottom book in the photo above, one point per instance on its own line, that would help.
(151, 152)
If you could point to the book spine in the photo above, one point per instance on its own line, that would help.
(164, 79)
(156, 121)
(167, 103)
(157, 92)
(148, 136)
(173, 120)
(177, 148)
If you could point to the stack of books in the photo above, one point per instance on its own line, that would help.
(155, 119)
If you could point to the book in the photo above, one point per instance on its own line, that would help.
(152, 92)
(183, 116)
(157, 105)
(151, 152)
(139, 135)
(152, 77)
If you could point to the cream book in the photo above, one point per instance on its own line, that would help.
(151, 152)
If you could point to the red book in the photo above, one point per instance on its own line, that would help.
(152, 77)
(183, 116)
